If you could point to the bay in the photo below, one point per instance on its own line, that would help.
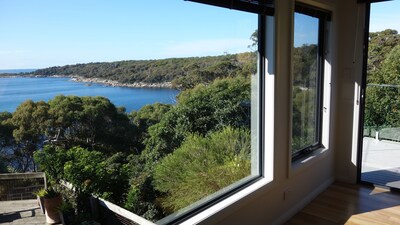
(17, 71)
(14, 91)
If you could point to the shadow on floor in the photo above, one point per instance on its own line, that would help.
(389, 178)
(11, 216)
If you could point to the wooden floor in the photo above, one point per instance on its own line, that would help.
(351, 204)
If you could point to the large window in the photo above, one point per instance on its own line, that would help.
(307, 80)
(155, 109)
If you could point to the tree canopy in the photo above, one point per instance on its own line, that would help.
(200, 110)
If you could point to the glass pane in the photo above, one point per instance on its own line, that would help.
(152, 106)
(381, 137)
(305, 82)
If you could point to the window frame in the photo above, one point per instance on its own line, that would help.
(240, 189)
(323, 16)
(266, 65)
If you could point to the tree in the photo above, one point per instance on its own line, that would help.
(181, 72)
(303, 118)
(92, 122)
(203, 166)
(30, 121)
(51, 160)
(383, 102)
(254, 39)
(380, 44)
(142, 197)
(146, 117)
(7, 142)
(200, 110)
(92, 172)
(304, 65)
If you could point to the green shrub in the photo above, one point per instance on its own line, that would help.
(202, 166)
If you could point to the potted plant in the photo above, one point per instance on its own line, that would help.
(66, 211)
(40, 197)
(52, 201)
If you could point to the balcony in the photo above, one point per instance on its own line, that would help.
(21, 212)
(380, 162)
(18, 204)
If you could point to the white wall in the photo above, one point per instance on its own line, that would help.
(267, 205)
(349, 70)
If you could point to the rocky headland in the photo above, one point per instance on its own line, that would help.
(114, 83)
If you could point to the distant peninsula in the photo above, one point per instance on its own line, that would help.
(178, 73)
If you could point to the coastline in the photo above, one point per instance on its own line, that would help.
(114, 83)
(105, 82)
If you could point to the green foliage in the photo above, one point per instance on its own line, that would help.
(82, 168)
(51, 159)
(380, 44)
(6, 141)
(65, 207)
(145, 117)
(138, 202)
(29, 121)
(254, 39)
(200, 110)
(304, 66)
(303, 118)
(383, 102)
(304, 106)
(92, 122)
(182, 72)
(202, 166)
(41, 192)
(91, 172)
(3, 165)
(50, 193)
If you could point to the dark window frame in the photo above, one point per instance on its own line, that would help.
(323, 16)
(261, 7)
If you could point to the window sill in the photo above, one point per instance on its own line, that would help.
(302, 163)
(206, 216)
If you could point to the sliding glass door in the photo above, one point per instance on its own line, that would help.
(381, 132)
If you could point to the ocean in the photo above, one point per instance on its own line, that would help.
(14, 91)
(17, 71)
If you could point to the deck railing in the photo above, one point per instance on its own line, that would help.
(20, 186)
(383, 133)
(108, 212)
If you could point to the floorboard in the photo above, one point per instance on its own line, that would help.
(351, 204)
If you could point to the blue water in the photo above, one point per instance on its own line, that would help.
(14, 91)
(17, 71)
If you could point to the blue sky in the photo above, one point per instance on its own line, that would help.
(43, 33)
(385, 15)
(305, 30)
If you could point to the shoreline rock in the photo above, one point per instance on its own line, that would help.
(106, 82)
(114, 83)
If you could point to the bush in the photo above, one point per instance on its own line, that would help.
(201, 110)
(202, 166)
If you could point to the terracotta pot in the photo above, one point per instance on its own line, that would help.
(51, 205)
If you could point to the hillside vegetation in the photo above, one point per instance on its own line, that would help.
(183, 73)
(382, 104)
